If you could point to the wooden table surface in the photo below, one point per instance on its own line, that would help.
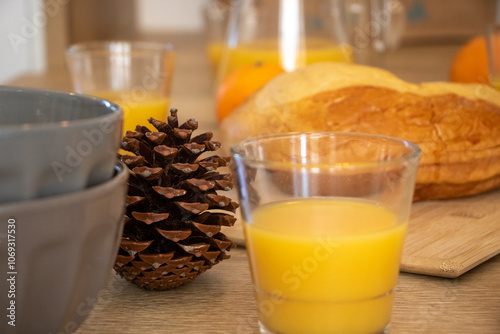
(221, 300)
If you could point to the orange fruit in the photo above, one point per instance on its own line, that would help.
(242, 83)
(471, 62)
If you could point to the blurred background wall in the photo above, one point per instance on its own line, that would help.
(35, 33)
(22, 44)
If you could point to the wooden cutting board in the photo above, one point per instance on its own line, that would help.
(445, 238)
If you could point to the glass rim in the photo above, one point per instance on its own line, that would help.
(111, 45)
(413, 153)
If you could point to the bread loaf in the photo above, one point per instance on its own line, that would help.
(457, 126)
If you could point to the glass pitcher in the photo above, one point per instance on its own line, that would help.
(291, 33)
(294, 33)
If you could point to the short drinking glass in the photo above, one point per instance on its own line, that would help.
(137, 75)
(325, 217)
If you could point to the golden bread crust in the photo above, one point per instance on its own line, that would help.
(459, 136)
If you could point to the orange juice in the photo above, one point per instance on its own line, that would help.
(137, 107)
(324, 265)
(317, 50)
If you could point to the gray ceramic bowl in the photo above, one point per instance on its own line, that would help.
(54, 142)
(56, 254)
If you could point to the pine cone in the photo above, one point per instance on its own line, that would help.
(172, 233)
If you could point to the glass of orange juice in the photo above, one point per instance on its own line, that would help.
(137, 75)
(325, 217)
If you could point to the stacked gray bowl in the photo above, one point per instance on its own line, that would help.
(62, 197)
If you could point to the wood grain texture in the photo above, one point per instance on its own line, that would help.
(221, 301)
(447, 238)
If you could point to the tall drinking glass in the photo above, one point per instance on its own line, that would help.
(135, 75)
(325, 217)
